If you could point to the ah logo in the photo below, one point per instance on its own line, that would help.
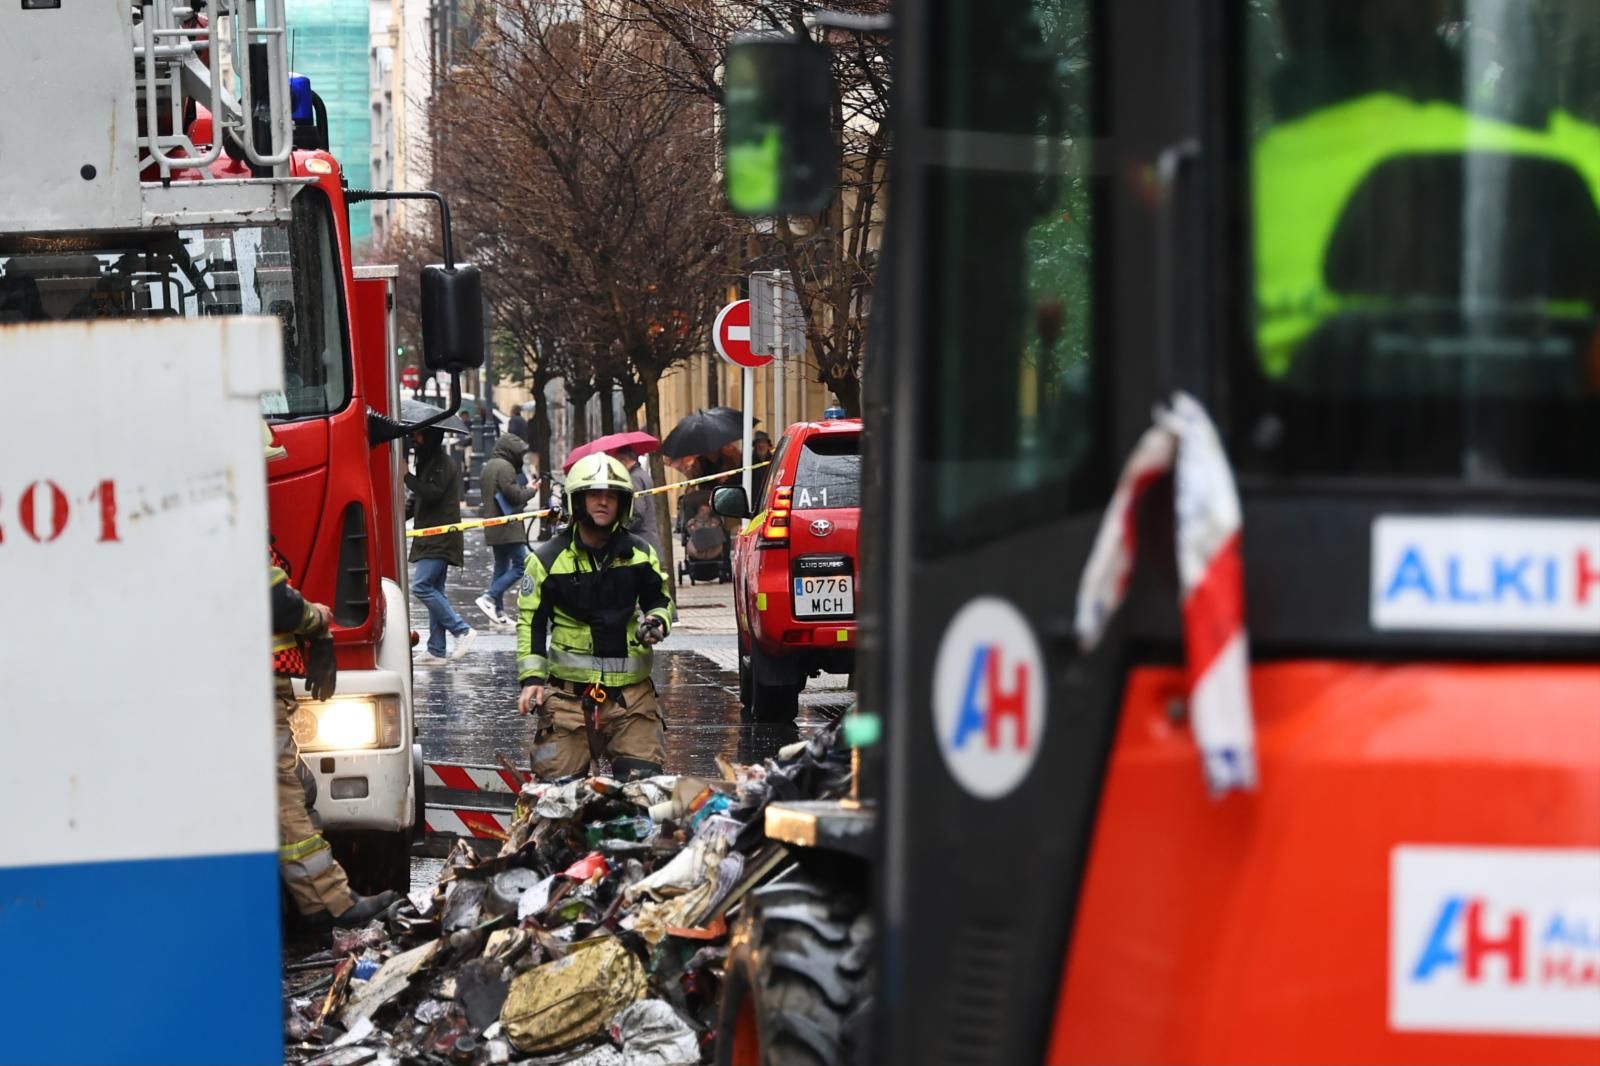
(1461, 922)
(1494, 939)
(987, 706)
(989, 697)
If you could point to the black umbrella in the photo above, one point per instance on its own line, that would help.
(416, 411)
(704, 432)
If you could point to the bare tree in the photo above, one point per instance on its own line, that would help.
(831, 257)
(588, 194)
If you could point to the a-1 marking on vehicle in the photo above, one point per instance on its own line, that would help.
(1485, 574)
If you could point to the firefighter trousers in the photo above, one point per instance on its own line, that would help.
(315, 881)
(630, 728)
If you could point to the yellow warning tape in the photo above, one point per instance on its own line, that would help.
(523, 516)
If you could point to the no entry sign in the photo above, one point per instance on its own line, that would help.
(730, 335)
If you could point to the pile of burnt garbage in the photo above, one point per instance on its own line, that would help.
(595, 937)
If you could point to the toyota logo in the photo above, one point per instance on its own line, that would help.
(821, 527)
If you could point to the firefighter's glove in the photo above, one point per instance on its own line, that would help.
(652, 630)
(322, 672)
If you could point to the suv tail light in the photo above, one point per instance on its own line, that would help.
(775, 530)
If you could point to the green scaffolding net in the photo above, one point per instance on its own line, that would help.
(328, 43)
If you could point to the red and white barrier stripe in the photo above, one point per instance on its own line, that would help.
(471, 778)
(467, 822)
(1211, 571)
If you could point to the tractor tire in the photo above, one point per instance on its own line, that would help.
(797, 990)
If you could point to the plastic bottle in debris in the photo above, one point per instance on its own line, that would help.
(635, 828)
(688, 796)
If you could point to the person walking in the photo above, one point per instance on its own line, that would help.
(643, 523)
(504, 494)
(528, 410)
(516, 425)
(760, 452)
(436, 501)
(583, 650)
(302, 646)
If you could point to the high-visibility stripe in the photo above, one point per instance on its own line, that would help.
(529, 665)
(300, 849)
(630, 664)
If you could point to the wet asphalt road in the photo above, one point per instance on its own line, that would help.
(466, 711)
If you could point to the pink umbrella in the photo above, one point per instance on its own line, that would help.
(641, 443)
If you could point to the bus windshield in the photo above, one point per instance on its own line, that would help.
(288, 271)
(1425, 200)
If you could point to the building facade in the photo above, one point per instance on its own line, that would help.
(381, 38)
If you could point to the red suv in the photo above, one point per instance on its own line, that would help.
(794, 566)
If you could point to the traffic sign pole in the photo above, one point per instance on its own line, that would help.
(749, 429)
(730, 335)
(779, 400)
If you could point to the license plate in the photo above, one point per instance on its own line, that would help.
(823, 597)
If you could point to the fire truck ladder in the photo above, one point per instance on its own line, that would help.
(180, 55)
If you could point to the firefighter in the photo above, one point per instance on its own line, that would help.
(583, 649)
(303, 647)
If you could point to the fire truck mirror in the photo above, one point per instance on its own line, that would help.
(778, 143)
(452, 318)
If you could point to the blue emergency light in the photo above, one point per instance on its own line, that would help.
(832, 412)
(300, 99)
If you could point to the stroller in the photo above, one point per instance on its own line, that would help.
(706, 554)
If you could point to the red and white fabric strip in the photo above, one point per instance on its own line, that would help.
(1210, 570)
(1105, 577)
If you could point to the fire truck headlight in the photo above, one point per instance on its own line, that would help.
(347, 724)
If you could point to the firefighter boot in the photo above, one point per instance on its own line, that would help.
(366, 908)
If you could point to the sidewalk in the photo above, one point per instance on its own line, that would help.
(706, 609)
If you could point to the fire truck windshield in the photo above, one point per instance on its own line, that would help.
(290, 271)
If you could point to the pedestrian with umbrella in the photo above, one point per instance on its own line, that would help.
(708, 441)
(704, 433)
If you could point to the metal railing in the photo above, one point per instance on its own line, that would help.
(168, 47)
